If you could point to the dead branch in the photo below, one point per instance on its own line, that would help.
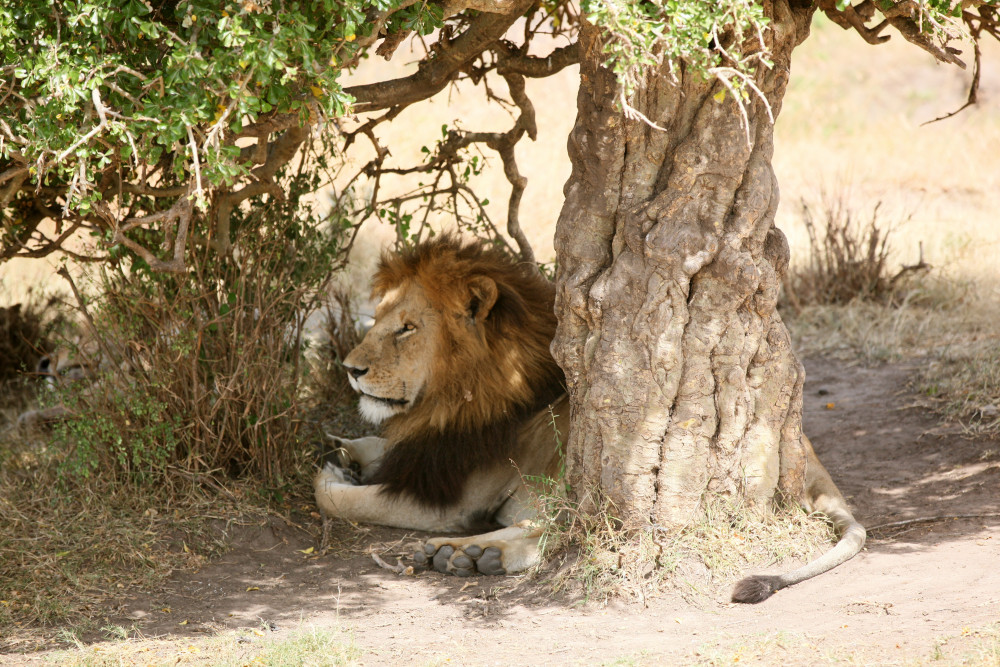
(115, 355)
(973, 96)
(398, 568)
(921, 265)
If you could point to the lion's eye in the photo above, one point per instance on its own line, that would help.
(406, 328)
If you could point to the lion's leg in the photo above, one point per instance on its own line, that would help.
(508, 550)
(366, 452)
(338, 497)
(34, 418)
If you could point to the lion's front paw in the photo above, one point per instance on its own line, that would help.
(464, 562)
(332, 474)
(334, 452)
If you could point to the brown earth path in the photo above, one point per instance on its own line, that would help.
(917, 593)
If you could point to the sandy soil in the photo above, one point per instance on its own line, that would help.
(913, 587)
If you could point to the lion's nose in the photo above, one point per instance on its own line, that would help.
(356, 372)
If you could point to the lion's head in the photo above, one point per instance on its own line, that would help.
(461, 334)
(457, 358)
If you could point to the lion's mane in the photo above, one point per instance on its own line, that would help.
(488, 375)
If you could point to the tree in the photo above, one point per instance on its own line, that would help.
(680, 369)
(151, 125)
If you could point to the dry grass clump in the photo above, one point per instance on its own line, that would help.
(848, 260)
(962, 383)
(310, 646)
(607, 559)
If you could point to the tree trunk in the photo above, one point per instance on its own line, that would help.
(680, 372)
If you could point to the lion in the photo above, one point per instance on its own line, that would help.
(458, 371)
(78, 362)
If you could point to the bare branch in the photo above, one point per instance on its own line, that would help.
(855, 18)
(280, 152)
(504, 145)
(181, 212)
(906, 17)
(973, 87)
(17, 176)
(150, 191)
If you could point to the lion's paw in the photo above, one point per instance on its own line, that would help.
(333, 474)
(465, 561)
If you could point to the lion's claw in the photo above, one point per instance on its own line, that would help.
(465, 562)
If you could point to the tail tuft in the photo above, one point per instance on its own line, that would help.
(756, 589)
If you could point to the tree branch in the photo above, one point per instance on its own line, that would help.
(279, 153)
(433, 75)
(904, 16)
(535, 67)
(181, 212)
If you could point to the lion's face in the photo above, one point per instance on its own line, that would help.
(77, 361)
(392, 365)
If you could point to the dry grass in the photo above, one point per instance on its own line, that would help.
(68, 551)
(848, 259)
(73, 549)
(305, 647)
(603, 559)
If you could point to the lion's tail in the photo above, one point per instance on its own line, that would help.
(758, 588)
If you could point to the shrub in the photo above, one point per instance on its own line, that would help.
(202, 371)
(848, 260)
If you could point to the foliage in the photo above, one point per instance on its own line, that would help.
(147, 124)
(711, 39)
(729, 40)
(137, 80)
(122, 118)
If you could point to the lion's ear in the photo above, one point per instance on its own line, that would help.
(482, 296)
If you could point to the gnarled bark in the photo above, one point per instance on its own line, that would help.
(681, 377)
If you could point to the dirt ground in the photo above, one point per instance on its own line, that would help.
(918, 592)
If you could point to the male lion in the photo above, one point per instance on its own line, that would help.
(457, 367)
